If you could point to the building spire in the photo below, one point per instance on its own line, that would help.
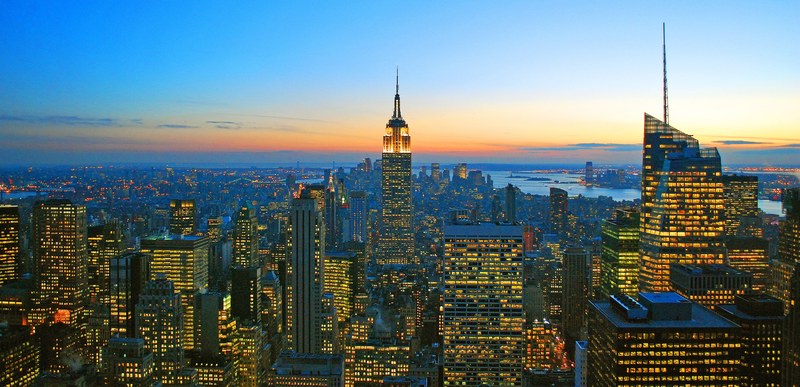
(664, 46)
(397, 96)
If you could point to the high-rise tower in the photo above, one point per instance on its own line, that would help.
(396, 244)
(245, 243)
(9, 243)
(682, 217)
(60, 252)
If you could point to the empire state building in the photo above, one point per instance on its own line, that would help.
(396, 243)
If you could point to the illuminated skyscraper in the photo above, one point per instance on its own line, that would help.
(20, 352)
(60, 253)
(559, 211)
(183, 215)
(662, 339)
(709, 285)
(789, 229)
(620, 254)
(304, 275)
(741, 206)
(128, 276)
(436, 173)
(314, 370)
(396, 244)
(483, 315)
(761, 319)
(682, 218)
(340, 274)
(214, 327)
(105, 242)
(184, 260)
(750, 254)
(460, 172)
(791, 334)
(10, 265)
(245, 242)
(159, 321)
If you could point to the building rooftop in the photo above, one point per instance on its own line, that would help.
(707, 269)
(173, 237)
(695, 316)
(483, 230)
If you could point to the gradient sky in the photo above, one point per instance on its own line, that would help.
(512, 82)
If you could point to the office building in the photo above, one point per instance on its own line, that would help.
(460, 171)
(682, 218)
(272, 307)
(213, 370)
(246, 294)
(710, 285)
(483, 317)
(575, 294)
(304, 275)
(183, 217)
(791, 334)
(60, 256)
(245, 241)
(789, 229)
(511, 203)
(620, 254)
(369, 362)
(581, 370)
(302, 369)
(10, 264)
(184, 260)
(741, 205)
(252, 355)
(358, 217)
(105, 242)
(159, 322)
(750, 254)
(340, 272)
(214, 327)
(129, 274)
(396, 243)
(761, 319)
(662, 339)
(539, 340)
(328, 325)
(21, 355)
(127, 362)
(436, 172)
(559, 211)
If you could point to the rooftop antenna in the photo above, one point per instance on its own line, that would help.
(664, 46)
(397, 96)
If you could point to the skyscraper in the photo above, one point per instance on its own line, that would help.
(791, 334)
(339, 280)
(396, 244)
(662, 339)
(245, 243)
(304, 275)
(511, 203)
(10, 265)
(182, 220)
(761, 319)
(483, 316)
(741, 205)
(246, 294)
(358, 217)
(682, 218)
(128, 276)
(127, 362)
(184, 260)
(60, 253)
(575, 294)
(105, 242)
(620, 254)
(559, 211)
(159, 321)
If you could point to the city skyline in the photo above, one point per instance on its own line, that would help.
(522, 83)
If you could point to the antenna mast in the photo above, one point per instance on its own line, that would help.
(664, 46)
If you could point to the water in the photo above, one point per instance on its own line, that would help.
(569, 183)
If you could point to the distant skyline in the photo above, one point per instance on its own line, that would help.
(516, 82)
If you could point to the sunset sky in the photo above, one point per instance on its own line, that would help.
(529, 82)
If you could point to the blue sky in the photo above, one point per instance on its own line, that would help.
(524, 82)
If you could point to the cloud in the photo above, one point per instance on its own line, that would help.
(294, 118)
(741, 142)
(61, 120)
(225, 124)
(176, 126)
